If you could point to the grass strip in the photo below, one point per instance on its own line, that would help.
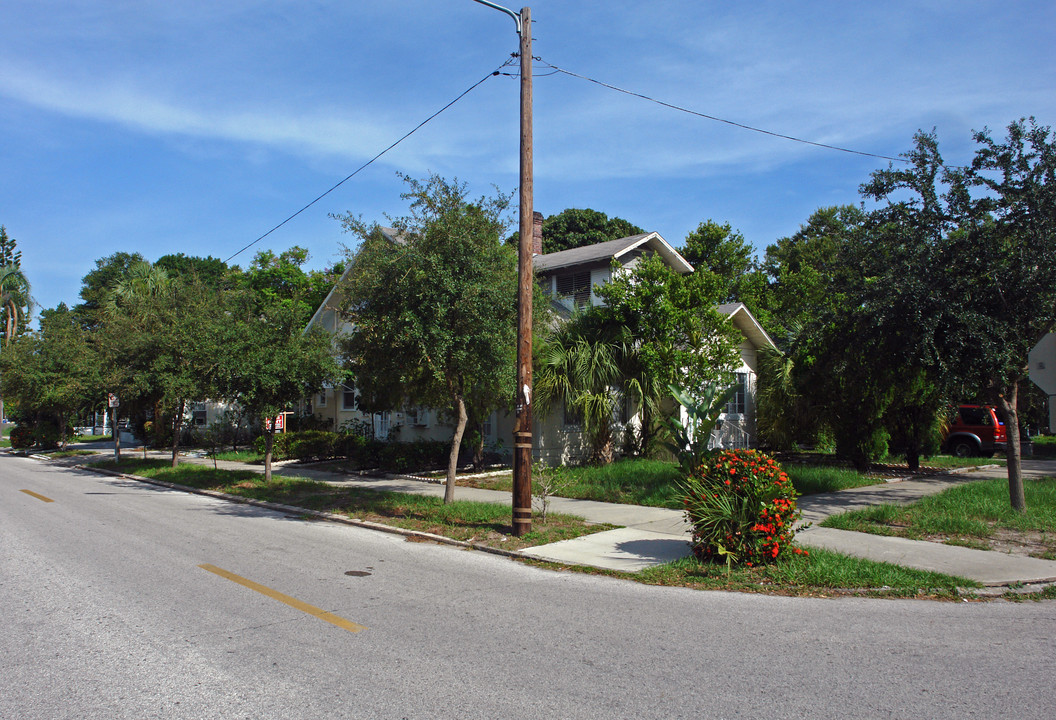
(246, 456)
(971, 514)
(486, 524)
(817, 573)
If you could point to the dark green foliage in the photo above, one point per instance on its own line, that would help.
(98, 285)
(280, 280)
(573, 228)
(50, 376)
(807, 274)
(269, 362)
(970, 277)
(22, 437)
(9, 254)
(723, 252)
(211, 271)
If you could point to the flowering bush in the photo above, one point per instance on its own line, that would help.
(742, 507)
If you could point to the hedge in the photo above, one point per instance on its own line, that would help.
(361, 452)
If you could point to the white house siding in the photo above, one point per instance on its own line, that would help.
(739, 429)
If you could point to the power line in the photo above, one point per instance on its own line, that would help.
(721, 120)
(416, 128)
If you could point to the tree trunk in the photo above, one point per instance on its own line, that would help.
(1007, 411)
(478, 451)
(456, 443)
(117, 436)
(269, 444)
(177, 422)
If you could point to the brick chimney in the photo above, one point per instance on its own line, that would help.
(537, 233)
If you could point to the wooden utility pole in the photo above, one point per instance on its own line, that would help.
(522, 429)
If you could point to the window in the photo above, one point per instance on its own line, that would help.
(575, 287)
(487, 428)
(384, 424)
(975, 416)
(198, 414)
(348, 399)
(573, 416)
(623, 408)
(321, 400)
(737, 404)
(418, 417)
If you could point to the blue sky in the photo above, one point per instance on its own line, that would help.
(197, 126)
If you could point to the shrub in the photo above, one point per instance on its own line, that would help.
(280, 447)
(742, 508)
(21, 437)
(312, 444)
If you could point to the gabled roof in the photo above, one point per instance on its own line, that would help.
(333, 300)
(747, 324)
(610, 250)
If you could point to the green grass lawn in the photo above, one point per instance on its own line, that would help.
(817, 573)
(1044, 446)
(655, 483)
(484, 523)
(91, 438)
(947, 462)
(245, 455)
(976, 514)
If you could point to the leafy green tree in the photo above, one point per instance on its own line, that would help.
(786, 414)
(98, 285)
(806, 270)
(984, 236)
(679, 338)
(162, 340)
(50, 374)
(436, 304)
(212, 272)
(267, 361)
(281, 279)
(9, 254)
(723, 251)
(657, 328)
(574, 227)
(14, 300)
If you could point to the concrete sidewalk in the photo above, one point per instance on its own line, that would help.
(651, 536)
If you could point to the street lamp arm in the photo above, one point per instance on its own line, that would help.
(500, 8)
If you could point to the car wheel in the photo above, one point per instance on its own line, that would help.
(963, 448)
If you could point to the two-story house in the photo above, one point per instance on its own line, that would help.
(571, 276)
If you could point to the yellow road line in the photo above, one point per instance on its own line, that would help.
(292, 602)
(38, 497)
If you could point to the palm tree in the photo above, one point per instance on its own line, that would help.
(586, 376)
(15, 303)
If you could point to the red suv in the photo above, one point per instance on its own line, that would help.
(975, 430)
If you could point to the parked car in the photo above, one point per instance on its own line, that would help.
(975, 430)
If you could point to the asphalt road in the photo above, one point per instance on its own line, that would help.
(107, 612)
